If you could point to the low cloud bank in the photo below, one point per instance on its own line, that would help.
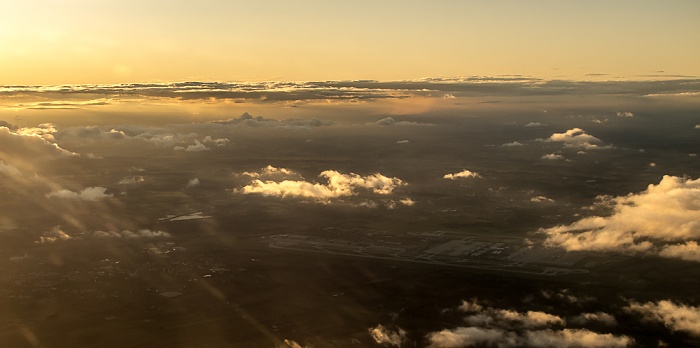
(81, 96)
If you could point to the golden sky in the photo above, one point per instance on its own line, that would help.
(116, 41)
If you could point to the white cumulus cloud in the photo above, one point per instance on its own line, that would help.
(386, 337)
(625, 114)
(88, 194)
(598, 317)
(290, 344)
(676, 317)
(390, 121)
(577, 138)
(338, 185)
(470, 306)
(574, 338)
(541, 199)
(463, 174)
(221, 142)
(162, 139)
(552, 157)
(192, 183)
(493, 327)
(407, 201)
(197, 147)
(54, 235)
(664, 220)
(92, 132)
(132, 180)
(44, 130)
(471, 337)
(27, 147)
(689, 251)
(270, 171)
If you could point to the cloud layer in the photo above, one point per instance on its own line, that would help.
(78, 96)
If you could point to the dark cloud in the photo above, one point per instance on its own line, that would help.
(8, 125)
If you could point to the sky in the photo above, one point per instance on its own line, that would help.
(48, 42)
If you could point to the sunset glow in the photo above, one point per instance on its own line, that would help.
(79, 41)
